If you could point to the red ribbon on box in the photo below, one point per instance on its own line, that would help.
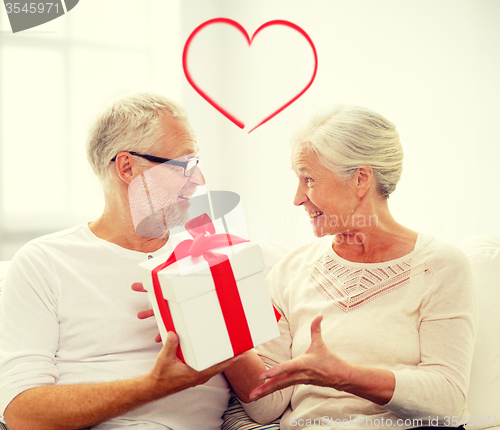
(204, 240)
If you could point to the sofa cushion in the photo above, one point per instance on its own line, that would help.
(484, 391)
(235, 418)
(4, 265)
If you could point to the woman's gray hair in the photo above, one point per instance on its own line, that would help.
(347, 137)
(131, 123)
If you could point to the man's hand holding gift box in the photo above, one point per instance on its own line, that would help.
(211, 291)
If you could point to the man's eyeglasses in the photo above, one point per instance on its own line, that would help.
(189, 165)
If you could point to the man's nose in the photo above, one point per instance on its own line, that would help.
(197, 177)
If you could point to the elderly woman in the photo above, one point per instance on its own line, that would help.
(378, 321)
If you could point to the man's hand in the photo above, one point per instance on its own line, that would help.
(73, 407)
(167, 364)
(137, 286)
(170, 375)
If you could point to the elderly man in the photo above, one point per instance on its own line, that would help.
(73, 354)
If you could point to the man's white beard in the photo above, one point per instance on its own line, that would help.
(158, 224)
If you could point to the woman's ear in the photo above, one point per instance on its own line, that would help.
(364, 179)
(126, 167)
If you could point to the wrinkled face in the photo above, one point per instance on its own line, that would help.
(180, 144)
(328, 200)
(159, 197)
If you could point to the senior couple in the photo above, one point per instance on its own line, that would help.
(378, 321)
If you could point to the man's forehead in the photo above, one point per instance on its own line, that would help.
(184, 151)
(180, 138)
(174, 151)
(174, 124)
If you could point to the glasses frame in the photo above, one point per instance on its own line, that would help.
(161, 160)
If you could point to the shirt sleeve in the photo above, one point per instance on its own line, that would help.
(448, 327)
(29, 328)
(272, 353)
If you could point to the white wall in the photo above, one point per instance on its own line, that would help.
(53, 80)
(431, 67)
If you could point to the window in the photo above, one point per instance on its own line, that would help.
(53, 80)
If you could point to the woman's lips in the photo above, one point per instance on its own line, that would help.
(313, 215)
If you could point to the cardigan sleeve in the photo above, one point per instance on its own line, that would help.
(272, 353)
(447, 331)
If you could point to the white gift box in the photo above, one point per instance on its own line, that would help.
(189, 288)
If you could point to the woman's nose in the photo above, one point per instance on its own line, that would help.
(300, 196)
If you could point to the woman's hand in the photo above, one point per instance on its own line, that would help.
(317, 366)
(320, 366)
(137, 286)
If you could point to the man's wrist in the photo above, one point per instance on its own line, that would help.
(152, 388)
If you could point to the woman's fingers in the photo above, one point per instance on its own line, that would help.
(145, 314)
(137, 286)
(148, 313)
(281, 376)
(316, 339)
(299, 364)
(316, 327)
(281, 369)
(274, 384)
(300, 370)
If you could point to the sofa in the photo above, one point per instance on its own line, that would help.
(484, 392)
(483, 398)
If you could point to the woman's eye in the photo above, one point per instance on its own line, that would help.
(309, 180)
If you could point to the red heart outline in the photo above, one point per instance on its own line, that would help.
(238, 26)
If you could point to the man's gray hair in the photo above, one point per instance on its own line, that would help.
(347, 137)
(131, 123)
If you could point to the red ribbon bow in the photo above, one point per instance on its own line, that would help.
(203, 242)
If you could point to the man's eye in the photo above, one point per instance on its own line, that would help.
(309, 180)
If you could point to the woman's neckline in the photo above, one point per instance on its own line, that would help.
(418, 244)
